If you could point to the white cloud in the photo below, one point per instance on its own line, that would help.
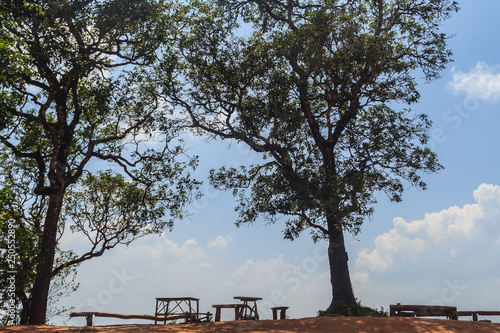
(360, 277)
(266, 273)
(447, 258)
(220, 242)
(482, 81)
(445, 236)
(164, 249)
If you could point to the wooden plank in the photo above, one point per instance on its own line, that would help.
(484, 313)
(466, 313)
(488, 313)
(113, 315)
(228, 306)
(250, 299)
(128, 316)
(169, 299)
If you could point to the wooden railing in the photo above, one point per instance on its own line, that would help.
(475, 314)
(89, 316)
(450, 312)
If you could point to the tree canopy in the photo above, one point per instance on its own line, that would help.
(77, 117)
(321, 89)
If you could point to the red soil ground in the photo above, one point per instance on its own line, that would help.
(305, 325)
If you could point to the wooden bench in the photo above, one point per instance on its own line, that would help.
(89, 316)
(399, 310)
(237, 310)
(281, 309)
(475, 314)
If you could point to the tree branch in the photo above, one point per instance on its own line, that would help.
(380, 20)
(313, 225)
(37, 156)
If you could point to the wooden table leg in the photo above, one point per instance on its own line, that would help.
(217, 314)
(236, 313)
(255, 310)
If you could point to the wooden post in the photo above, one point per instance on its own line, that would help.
(89, 319)
(217, 314)
(392, 308)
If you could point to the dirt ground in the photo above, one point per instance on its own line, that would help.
(305, 325)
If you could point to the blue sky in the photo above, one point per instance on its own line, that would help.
(438, 246)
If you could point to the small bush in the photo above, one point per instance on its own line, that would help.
(343, 308)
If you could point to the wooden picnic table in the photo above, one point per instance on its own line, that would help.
(167, 307)
(250, 309)
(242, 311)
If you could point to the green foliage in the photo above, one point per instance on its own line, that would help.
(315, 87)
(343, 308)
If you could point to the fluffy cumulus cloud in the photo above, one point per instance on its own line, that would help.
(482, 81)
(447, 235)
(446, 253)
(220, 242)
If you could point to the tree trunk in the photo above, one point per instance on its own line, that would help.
(41, 287)
(24, 320)
(339, 270)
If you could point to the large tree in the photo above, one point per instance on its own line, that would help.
(70, 95)
(319, 87)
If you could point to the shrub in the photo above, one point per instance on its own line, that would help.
(343, 308)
